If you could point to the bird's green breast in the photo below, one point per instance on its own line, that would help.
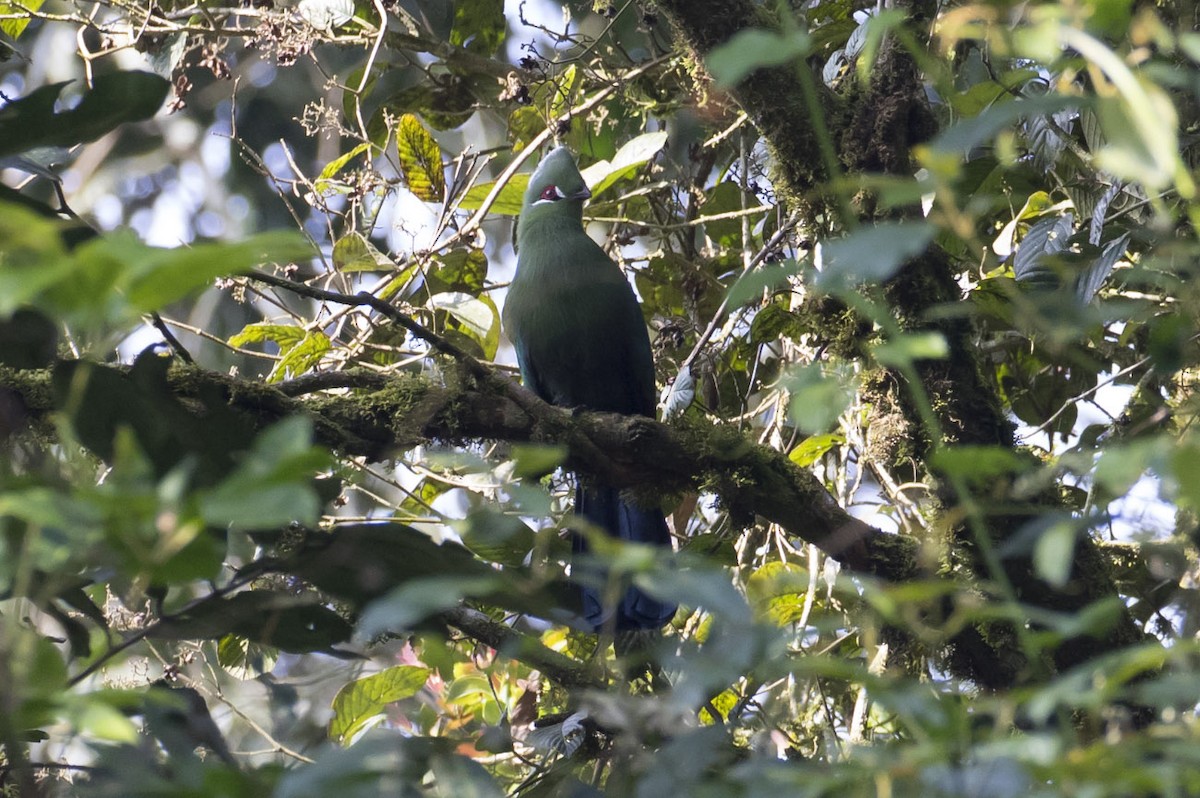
(577, 327)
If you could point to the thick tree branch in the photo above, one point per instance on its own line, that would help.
(626, 451)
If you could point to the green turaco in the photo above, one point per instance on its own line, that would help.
(581, 342)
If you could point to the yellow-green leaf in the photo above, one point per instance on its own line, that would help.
(15, 27)
(508, 203)
(420, 159)
(355, 253)
(334, 167)
(286, 335)
(301, 357)
(360, 701)
(814, 447)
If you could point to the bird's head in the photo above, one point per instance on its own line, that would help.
(556, 190)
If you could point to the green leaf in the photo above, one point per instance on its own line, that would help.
(360, 701)
(286, 335)
(774, 321)
(818, 397)
(631, 157)
(878, 26)
(536, 460)
(1054, 552)
(361, 562)
(301, 357)
(28, 340)
(971, 133)
(726, 197)
(754, 48)
(460, 270)
(478, 316)
(420, 160)
(443, 106)
(479, 25)
(1185, 465)
(509, 201)
(907, 348)
(403, 608)
(272, 486)
(982, 463)
(872, 254)
(496, 536)
(100, 715)
(380, 764)
(767, 276)
(114, 99)
(245, 660)
(32, 259)
(459, 777)
(157, 277)
(324, 181)
(813, 448)
(15, 27)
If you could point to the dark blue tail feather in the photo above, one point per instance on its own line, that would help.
(603, 506)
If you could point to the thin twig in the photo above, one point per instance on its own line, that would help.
(245, 577)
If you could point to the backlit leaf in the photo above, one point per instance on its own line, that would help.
(361, 700)
(508, 202)
(354, 252)
(301, 357)
(420, 159)
(15, 27)
(286, 335)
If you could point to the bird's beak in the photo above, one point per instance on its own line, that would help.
(582, 194)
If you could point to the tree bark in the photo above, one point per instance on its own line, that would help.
(876, 127)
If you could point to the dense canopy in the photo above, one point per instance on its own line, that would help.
(277, 517)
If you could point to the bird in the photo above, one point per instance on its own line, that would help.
(581, 342)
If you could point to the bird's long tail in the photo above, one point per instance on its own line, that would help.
(603, 506)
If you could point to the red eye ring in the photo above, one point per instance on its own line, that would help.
(550, 193)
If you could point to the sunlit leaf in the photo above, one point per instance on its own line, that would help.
(508, 202)
(814, 447)
(15, 26)
(903, 349)
(334, 167)
(631, 157)
(286, 335)
(420, 159)
(477, 315)
(361, 700)
(305, 355)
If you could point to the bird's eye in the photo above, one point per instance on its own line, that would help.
(550, 193)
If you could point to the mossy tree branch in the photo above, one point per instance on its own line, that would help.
(876, 126)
